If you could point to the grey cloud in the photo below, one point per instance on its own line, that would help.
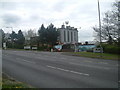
(62, 4)
(34, 17)
(11, 18)
(59, 6)
(84, 11)
(8, 5)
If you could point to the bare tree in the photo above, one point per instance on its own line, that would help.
(30, 33)
(110, 25)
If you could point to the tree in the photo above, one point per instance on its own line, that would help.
(52, 34)
(48, 35)
(30, 33)
(17, 39)
(42, 34)
(110, 25)
(13, 36)
(86, 43)
(20, 38)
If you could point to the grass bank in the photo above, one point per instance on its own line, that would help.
(94, 55)
(10, 83)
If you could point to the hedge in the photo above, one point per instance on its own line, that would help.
(110, 48)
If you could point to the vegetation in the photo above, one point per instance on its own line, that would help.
(111, 48)
(8, 82)
(110, 26)
(110, 31)
(94, 55)
(46, 39)
(47, 36)
(16, 40)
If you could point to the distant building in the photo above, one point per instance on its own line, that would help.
(68, 35)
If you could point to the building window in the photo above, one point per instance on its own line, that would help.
(64, 36)
(68, 37)
(74, 36)
(71, 36)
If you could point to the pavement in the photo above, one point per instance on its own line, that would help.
(55, 70)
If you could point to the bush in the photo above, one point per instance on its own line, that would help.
(110, 48)
(90, 50)
(43, 48)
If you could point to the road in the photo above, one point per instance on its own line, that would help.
(55, 70)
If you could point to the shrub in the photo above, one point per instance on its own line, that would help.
(110, 48)
(43, 48)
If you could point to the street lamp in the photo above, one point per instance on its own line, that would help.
(100, 28)
(10, 27)
(12, 41)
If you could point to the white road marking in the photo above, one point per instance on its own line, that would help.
(26, 60)
(106, 68)
(88, 61)
(68, 70)
(51, 67)
(29, 61)
(103, 62)
(62, 58)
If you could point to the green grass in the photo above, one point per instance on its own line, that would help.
(15, 49)
(95, 55)
(8, 82)
(21, 49)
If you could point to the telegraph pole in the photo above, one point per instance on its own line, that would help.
(101, 50)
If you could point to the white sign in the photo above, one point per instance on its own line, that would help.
(35, 48)
(4, 45)
(26, 47)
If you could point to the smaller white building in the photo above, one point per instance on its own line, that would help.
(68, 35)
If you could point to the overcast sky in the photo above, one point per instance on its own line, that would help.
(28, 14)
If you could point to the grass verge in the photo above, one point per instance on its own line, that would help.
(9, 83)
(94, 55)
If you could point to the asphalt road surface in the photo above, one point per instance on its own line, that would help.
(55, 70)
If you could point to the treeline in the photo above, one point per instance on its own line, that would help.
(45, 38)
(48, 35)
(15, 40)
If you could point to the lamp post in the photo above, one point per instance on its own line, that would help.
(101, 50)
(10, 27)
(12, 40)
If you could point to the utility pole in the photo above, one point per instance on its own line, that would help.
(101, 50)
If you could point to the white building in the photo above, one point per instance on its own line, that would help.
(68, 35)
